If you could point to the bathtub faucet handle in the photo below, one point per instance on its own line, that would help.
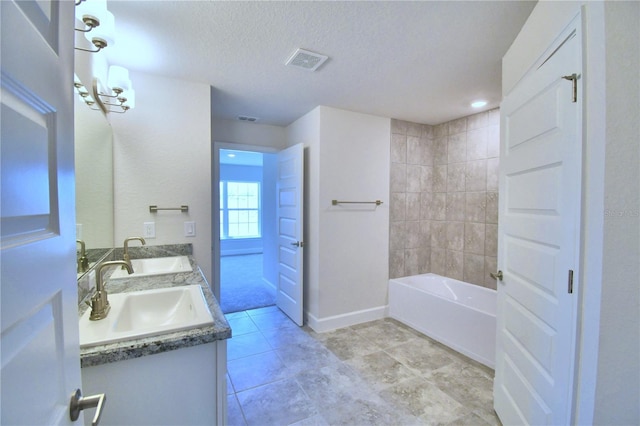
(497, 276)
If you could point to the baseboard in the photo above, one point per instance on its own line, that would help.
(269, 283)
(321, 325)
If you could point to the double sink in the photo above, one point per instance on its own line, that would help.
(150, 312)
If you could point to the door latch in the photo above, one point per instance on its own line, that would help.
(574, 81)
(79, 403)
(298, 244)
(497, 276)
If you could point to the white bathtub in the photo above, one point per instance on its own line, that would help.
(459, 315)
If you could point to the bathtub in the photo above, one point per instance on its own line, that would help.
(459, 315)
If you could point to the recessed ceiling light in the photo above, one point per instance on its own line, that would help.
(231, 155)
(478, 104)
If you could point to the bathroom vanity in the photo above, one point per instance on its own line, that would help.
(177, 377)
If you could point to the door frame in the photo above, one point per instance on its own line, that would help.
(215, 202)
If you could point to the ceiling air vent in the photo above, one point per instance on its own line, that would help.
(246, 118)
(306, 60)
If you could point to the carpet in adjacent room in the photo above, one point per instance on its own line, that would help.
(241, 284)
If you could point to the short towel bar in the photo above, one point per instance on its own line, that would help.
(154, 209)
(336, 202)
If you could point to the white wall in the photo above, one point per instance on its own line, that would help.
(162, 156)
(607, 382)
(257, 134)
(618, 381)
(346, 247)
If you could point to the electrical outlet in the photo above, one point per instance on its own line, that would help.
(189, 229)
(149, 230)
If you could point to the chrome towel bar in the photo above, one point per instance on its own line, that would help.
(154, 209)
(336, 202)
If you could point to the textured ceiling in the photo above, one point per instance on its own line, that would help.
(417, 61)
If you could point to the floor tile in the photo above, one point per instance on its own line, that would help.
(234, 412)
(246, 345)
(262, 311)
(385, 334)
(347, 344)
(278, 403)
(256, 370)
(421, 355)
(279, 337)
(272, 320)
(423, 399)
(308, 355)
(380, 369)
(242, 325)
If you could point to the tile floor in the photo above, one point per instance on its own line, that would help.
(377, 373)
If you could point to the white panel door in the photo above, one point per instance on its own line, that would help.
(289, 193)
(39, 338)
(540, 193)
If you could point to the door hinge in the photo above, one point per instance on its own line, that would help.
(570, 284)
(574, 89)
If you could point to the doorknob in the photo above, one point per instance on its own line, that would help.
(497, 276)
(298, 244)
(79, 403)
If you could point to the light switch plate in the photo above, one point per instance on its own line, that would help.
(189, 229)
(149, 230)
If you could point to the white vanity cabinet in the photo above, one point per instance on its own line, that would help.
(186, 386)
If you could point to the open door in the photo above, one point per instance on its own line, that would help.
(539, 230)
(289, 193)
(40, 347)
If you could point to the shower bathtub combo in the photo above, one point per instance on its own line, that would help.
(459, 315)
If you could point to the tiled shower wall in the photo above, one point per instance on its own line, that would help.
(444, 198)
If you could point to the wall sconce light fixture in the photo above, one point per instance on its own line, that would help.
(118, 97)
(99, 23)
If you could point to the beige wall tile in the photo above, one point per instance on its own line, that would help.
(439, 206)
(414, 150)
(490, 265)
(438, 234)
(398, 206)
(474, 238)
(458, 126)
(477, 144)
(398, 177)
(492, 207)
(438, 261)
(477, 121)
(456, 177)
(440, 151)
(398, 126)
(455, 236)
(455, 265)
(413, 206)
(398, 148)
(439, 180)
(457, 148)
(397, 235)
(396, 263)
(475, 208)
(414, 178)
(476, 172)
(493, 169)
(474, 269)
(456, 202)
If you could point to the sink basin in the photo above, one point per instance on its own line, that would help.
(155, 266)
(147, 313)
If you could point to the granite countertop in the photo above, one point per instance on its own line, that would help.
(135, 348)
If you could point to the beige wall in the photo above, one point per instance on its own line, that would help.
(444, 193)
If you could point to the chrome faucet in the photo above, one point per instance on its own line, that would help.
(125, 255)
(99, 303)
(83, 261)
